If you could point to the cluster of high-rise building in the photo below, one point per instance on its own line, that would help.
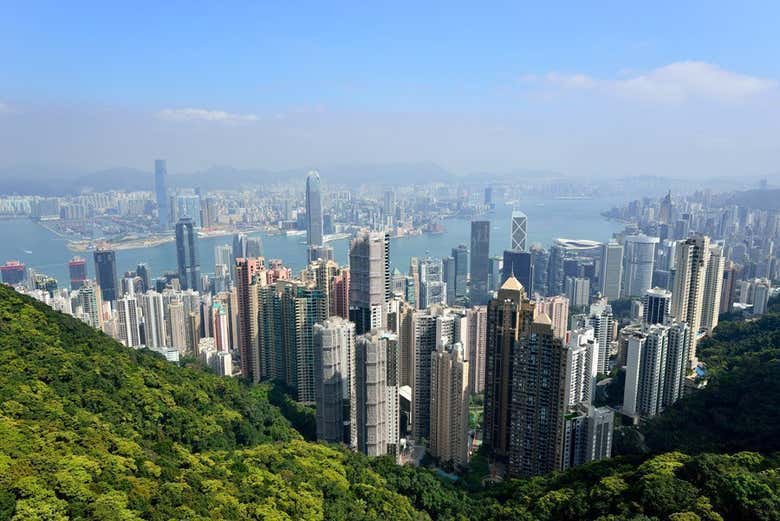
(391, 358)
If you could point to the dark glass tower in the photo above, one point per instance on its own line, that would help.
(105, 272)
(519, 264)
(187, 254)
(480, 261)
(161, 191)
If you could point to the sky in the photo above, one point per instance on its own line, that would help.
(686, 89)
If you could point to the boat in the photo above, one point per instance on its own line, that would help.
(28, 252)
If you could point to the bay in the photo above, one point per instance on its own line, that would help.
(548, 219)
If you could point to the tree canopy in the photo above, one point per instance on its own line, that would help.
(90, 429)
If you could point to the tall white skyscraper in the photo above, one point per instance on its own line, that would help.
(611, 270)
(582, 354)
(154, 319)
(713, 286)
(638, 259)
(519, 231)
(369, 287)
(128, 330)
(376, 415)
(335, 391)
(656, 365)
(692, 262)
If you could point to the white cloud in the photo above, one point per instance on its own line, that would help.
(192, 114)
(673, 83)
(4, 107)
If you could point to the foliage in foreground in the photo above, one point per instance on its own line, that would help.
(92, 430)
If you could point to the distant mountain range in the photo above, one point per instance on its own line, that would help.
(27, 180)
(47, 180)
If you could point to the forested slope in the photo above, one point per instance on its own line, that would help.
(92, 430)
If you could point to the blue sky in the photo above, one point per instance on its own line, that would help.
(394, 81)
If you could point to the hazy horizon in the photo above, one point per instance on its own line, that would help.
(607, 91)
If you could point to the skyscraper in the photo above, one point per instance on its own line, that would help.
(105, 273)
(313, 209)
(449, 424)
(538, 407)
(239, 246)
(477, 323)
(557, 308)
(377, 413)
(77, 268)
(480, 256)
(432, 286)
(247, 283)
(657, 305)
(187, 254)
(692, 261)
(129, 332)
(656, 363)
(519, 232)
(519, 264)
(430, 329)
(254, 247)
(611, 270)
(713, 286)
(460, 254)
(152, 306)
(508, 317)
(335, 392)
(582, 351)
(638, 259)
(161, 192)
(369, 286)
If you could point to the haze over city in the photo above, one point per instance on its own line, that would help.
(363, 261)
(580, 90)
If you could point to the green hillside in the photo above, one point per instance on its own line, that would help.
(92, 430)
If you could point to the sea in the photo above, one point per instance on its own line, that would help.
(28, 242)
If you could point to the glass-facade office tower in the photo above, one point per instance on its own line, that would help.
(480, 261)
(519, 231)
(187, 254)
(105, 273)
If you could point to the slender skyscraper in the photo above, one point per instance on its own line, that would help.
(519, 232)
(480, 261)
(508, 317)
(692, 261)
(161, 192)
(105, 273)
(369, 286)
(713, 287)
(187, 254)
(461, 257)
(449, 412)
(611, 270)
(376, 366)
(313, 209)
